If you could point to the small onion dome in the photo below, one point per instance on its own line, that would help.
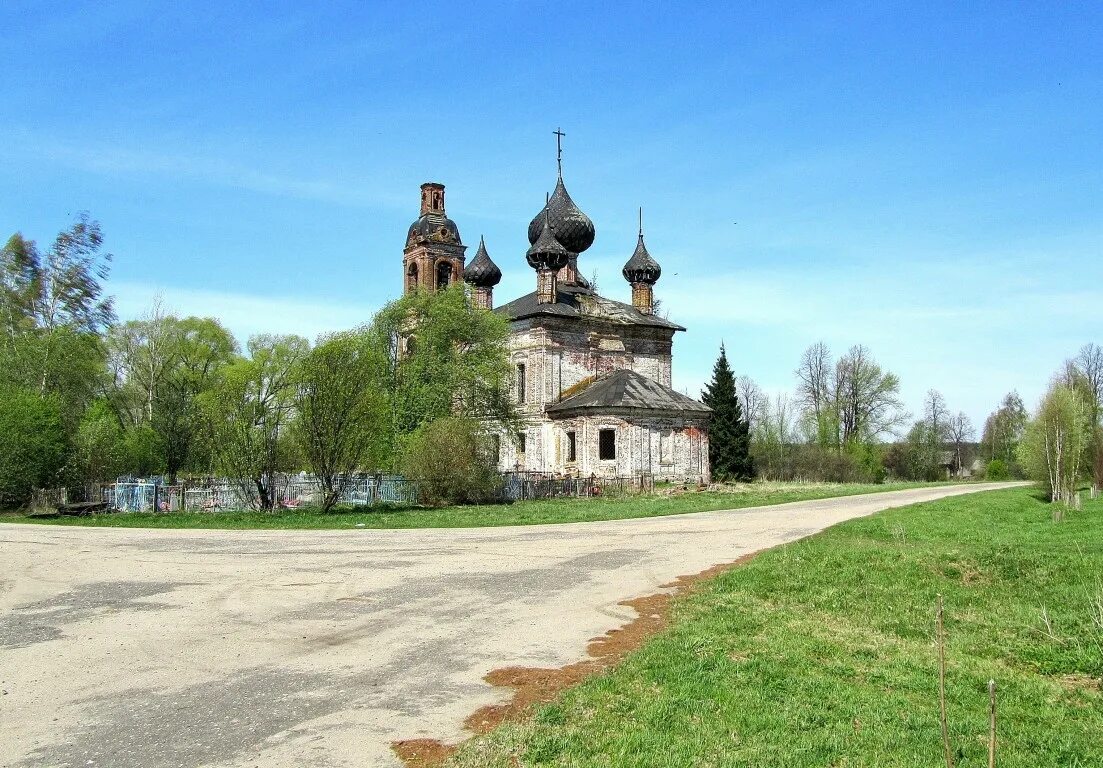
(641, 268)
(482, 272)
(573, 229)
(433, 228)
(547, 253)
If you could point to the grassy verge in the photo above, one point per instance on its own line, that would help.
(521, 513)
(821, 653)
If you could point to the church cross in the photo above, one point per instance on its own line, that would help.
(559, 148)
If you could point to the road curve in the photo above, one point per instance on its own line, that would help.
(140, 648)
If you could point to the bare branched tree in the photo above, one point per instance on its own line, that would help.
(816, 392)
(753, 399)
(867, 398)
(1089, 363)
(960, 431)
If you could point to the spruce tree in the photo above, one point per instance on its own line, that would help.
(729, 429)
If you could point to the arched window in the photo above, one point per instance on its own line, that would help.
(444, 275)
(411, 278)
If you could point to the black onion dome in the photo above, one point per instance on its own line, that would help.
(572, 227)
(641, 268)
(434, 228)
(482, 272)
(547, 252)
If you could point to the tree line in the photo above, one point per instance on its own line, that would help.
(84, 397)
(845, 422)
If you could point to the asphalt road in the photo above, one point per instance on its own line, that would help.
(134, 648)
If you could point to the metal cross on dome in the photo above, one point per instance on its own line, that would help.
(559, 148)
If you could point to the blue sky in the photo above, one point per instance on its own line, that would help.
(925, 179)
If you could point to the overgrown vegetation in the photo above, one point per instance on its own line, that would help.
(453, 460)
(822, 652)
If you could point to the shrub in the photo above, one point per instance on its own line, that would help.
(32, 445)
(997, 470)
(453, 462)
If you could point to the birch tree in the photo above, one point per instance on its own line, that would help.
(1055, 444)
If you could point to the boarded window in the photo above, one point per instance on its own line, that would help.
(607, 444)
(572, 447)
(521, 383)
(666, 447)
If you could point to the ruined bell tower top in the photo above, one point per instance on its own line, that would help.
(432, 198)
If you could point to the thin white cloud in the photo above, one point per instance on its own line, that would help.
(244, 314)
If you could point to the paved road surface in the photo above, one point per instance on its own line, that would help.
(129, 648)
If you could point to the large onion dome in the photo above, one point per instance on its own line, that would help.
(572, 228)
(482, 272)
(641, 268)
(547, 252)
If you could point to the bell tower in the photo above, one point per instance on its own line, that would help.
(434, 255)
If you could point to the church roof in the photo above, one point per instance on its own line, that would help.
(582, 303)
(625, 389)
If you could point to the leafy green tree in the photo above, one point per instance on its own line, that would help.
(341, 423)
(160, 365)
(248, 411)
(53, 311)
(32, 445)
(99, 451)
(1055, 445)
(201, 348)
(1003, 429)
(443, 357)
(729, 431)
(453, 461)
(143, 452)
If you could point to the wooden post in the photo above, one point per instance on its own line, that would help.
(991, 724)
(942, 688)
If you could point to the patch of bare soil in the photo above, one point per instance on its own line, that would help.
(422, 753)
(534, 685)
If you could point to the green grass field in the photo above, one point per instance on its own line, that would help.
(821, 653)
(521, 513)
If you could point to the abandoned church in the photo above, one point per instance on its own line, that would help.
(592, 375)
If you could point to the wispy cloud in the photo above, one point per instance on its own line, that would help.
(112, 160)
(244, 314)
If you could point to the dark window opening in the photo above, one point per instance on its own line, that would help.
(444, 275)
(521, 383)
(496, 448)
(521, 443)
(607, 444)
(572, 449)
(411, 278)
